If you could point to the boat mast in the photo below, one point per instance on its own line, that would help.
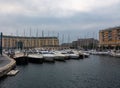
(68, 40)
(36, 38)
(30, 45)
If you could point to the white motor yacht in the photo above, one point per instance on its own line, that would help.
(59, 56)
(35, 57)
(73, 55)
(115, 53)
(67, 56)
(48, 56)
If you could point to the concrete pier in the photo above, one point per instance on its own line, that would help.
(6, 64)
(20, 58)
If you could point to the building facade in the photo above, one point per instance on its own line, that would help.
(28, 42)
(86, 43)
(109, 37)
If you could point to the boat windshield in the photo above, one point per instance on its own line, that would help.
(44, 52)
(71, 52)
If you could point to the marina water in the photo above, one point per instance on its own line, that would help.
(93, 72)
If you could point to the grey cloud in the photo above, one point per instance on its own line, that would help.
(77, 25)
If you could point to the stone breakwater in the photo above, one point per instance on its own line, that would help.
(7, 67)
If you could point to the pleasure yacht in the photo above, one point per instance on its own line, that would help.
(35, 57)
(48, 56)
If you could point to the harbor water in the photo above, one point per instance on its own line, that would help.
(93, 72)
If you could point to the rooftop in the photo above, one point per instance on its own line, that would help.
(8, 36)
(108, 29)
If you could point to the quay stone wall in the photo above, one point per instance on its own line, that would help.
(5, 69)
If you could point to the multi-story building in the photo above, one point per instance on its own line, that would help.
(28, 42)
(66, 45)
(87, 43)
(109, 37)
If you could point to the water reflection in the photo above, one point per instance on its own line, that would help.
(93, 72)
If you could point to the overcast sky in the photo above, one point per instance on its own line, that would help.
(74, 18)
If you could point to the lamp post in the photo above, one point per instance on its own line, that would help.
(1, 43)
